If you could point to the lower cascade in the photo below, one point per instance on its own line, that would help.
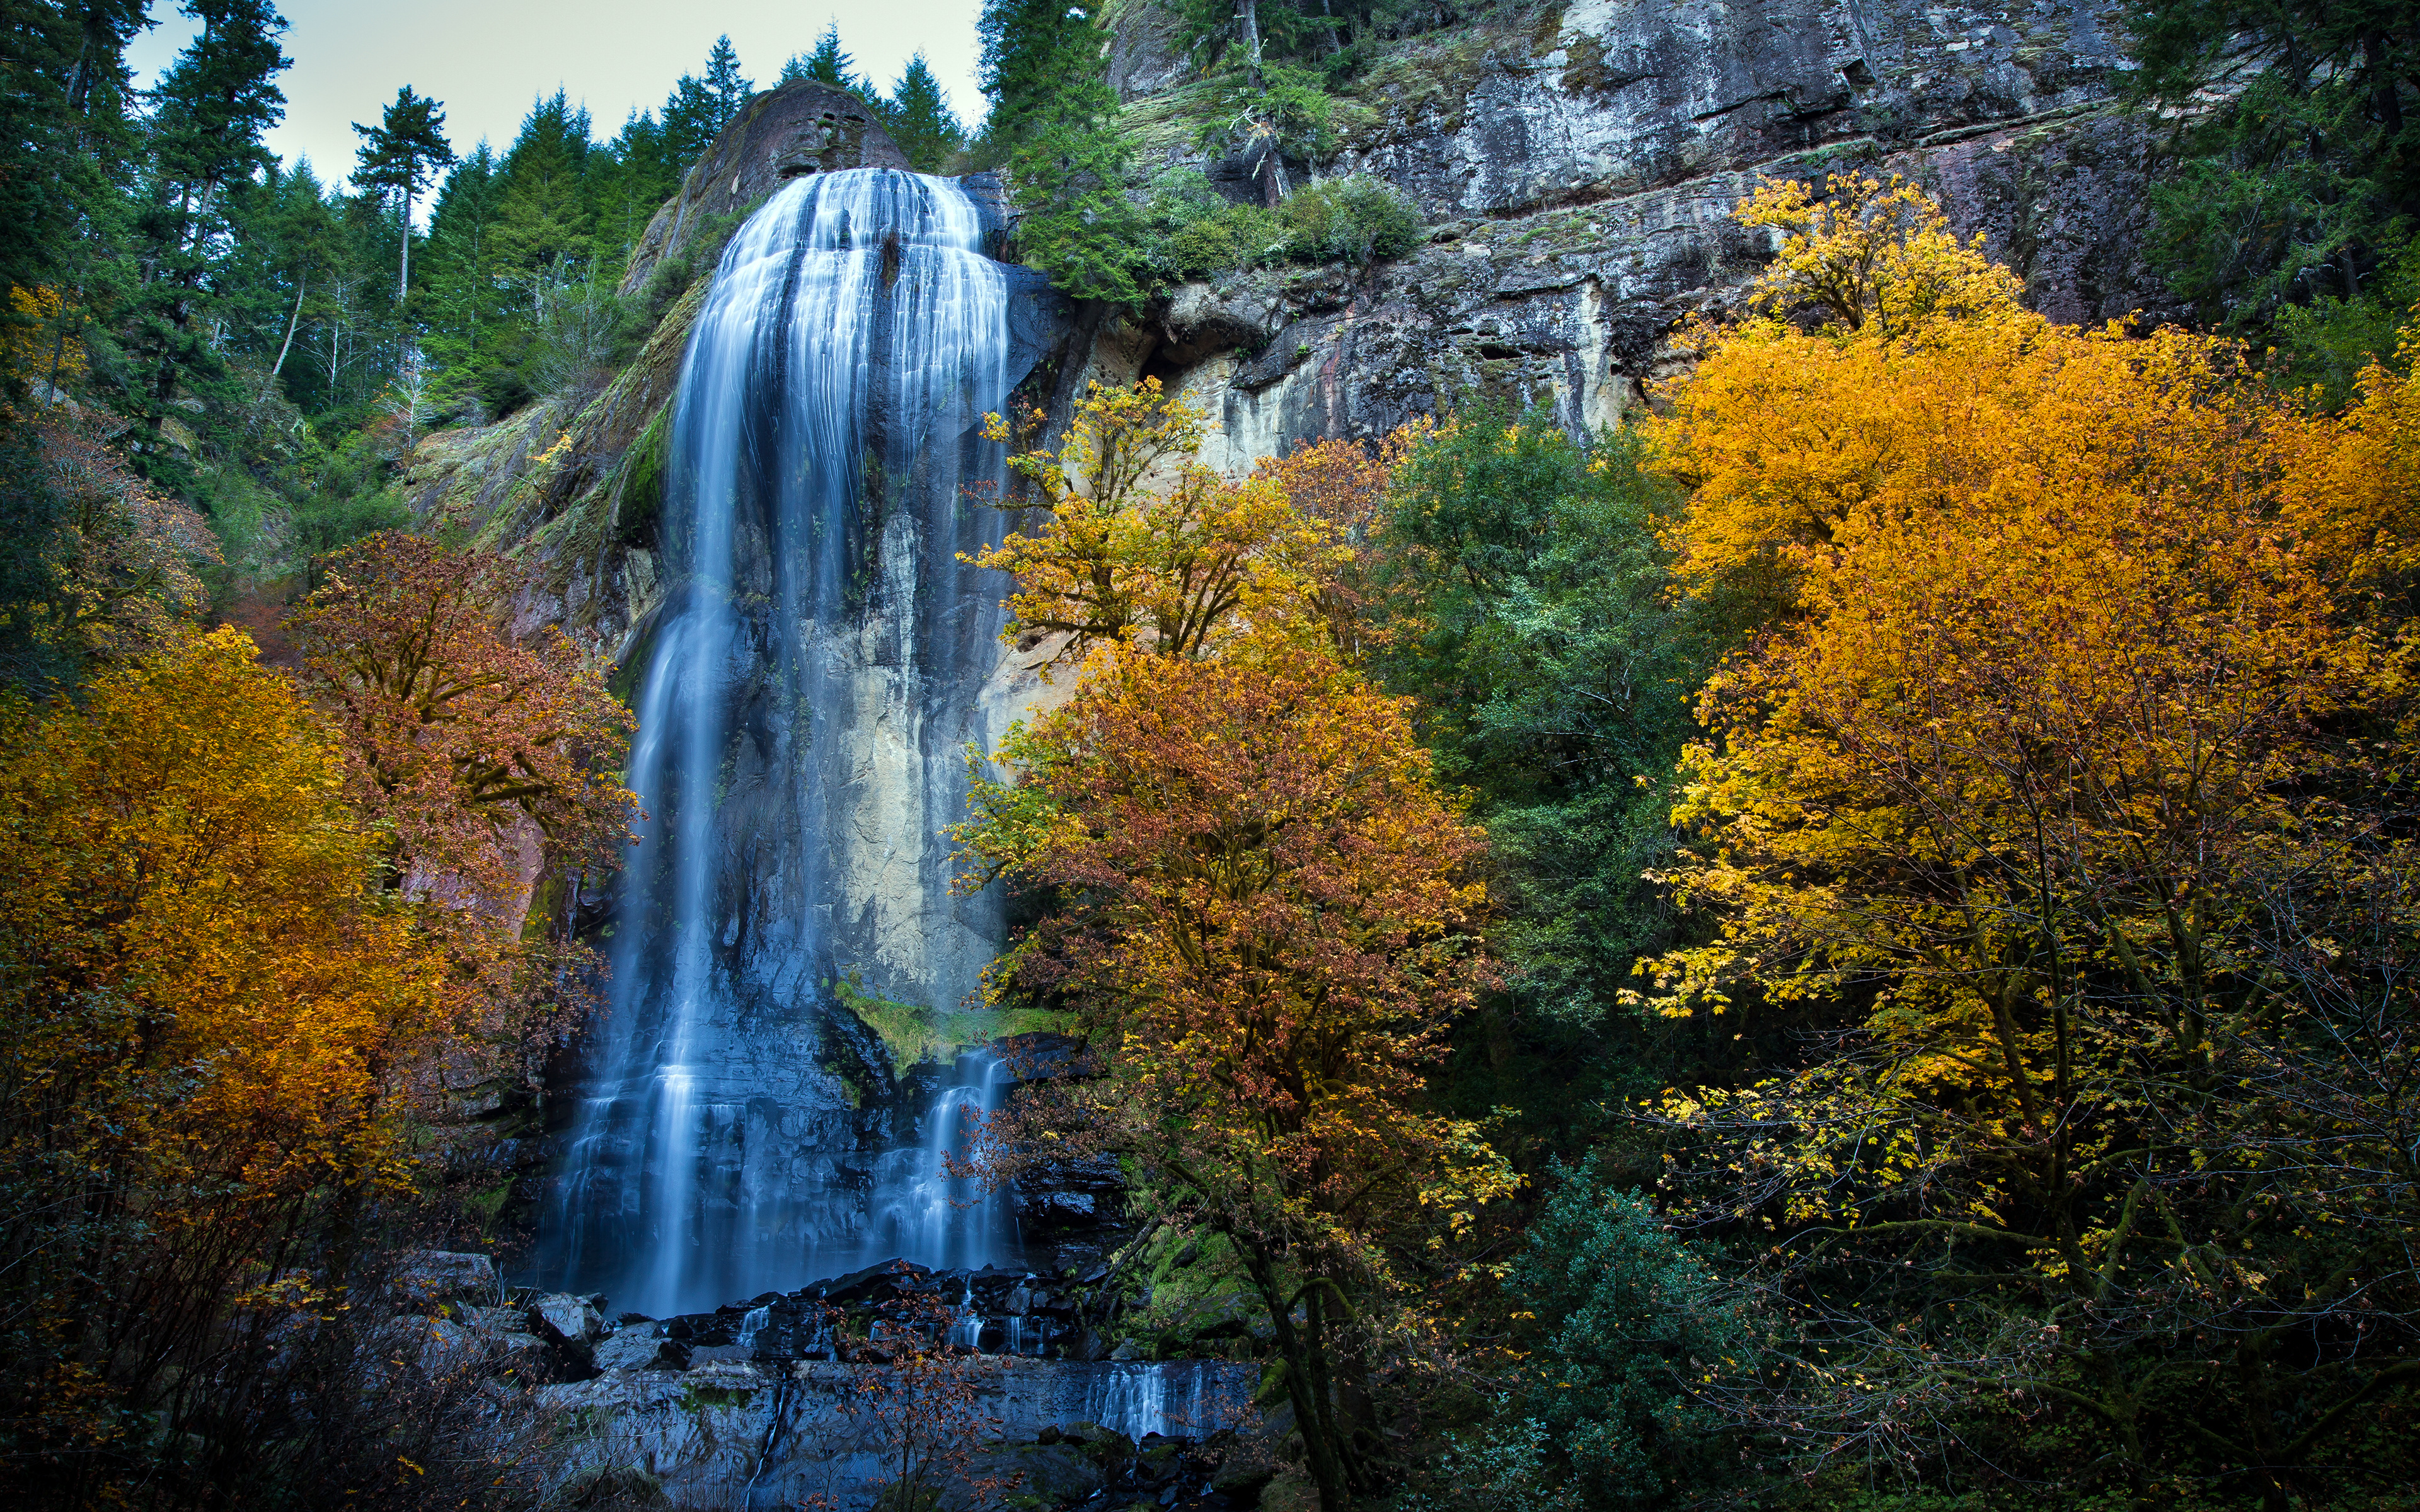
(811, 678)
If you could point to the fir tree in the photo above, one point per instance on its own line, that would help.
(213, 105)
(463, 304)
(1053, 123)
(1042, 68)
(402, 154)
(63, 133)
(920, 119)
(828, 64)
(698, 108)
(724, 85)
(542, 225)
(2305, 184)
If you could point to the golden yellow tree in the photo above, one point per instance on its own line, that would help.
(2053, 799)
(1144, 544)
(209, 1022)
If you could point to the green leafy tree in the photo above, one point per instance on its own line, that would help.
(1534, 626)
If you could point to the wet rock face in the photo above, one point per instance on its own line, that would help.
(1580, 176)
(990, 1311)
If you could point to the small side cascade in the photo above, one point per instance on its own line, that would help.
(753, 1323)
(921, 1212)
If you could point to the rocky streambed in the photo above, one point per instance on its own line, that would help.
(996, 1381)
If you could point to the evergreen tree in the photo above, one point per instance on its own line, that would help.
(63, 133)
(831, 65)
(698, 108)
(724, 84)
(287, 246)
(542, 224)
(403, 154)
(1042, 68)
(632, 177)
(920, 119)
(2303, 186)
(541, 243)
(213, 106)
(1053, 123)
(461, 266)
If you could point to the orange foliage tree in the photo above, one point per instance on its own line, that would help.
(2066, 801)
(207, 1018)
(482, 761)
(1272, 923)
(1269, 911)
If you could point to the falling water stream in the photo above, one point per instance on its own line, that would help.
(813, 674)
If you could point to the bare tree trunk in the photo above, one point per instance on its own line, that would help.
(1248, 15)
(293, 323)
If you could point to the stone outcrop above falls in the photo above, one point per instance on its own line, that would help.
(1580, 167)
(800, 128)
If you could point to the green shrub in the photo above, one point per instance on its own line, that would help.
(1629, 1317)
(1197, 234)
(1355, 219)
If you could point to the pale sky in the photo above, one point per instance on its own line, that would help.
(488, 59)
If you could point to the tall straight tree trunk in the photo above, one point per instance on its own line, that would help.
(1248, 15)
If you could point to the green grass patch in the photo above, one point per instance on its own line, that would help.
(914, 1033)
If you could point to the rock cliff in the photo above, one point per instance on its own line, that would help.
(1580, 166)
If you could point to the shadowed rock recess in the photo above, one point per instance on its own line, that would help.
(760, 518)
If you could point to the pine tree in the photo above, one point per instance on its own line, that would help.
(920, 119)
(403, 154)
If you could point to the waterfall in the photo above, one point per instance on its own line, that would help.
(920, 1210)
(811, 680)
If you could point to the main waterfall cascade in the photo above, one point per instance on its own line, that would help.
(815, 674)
